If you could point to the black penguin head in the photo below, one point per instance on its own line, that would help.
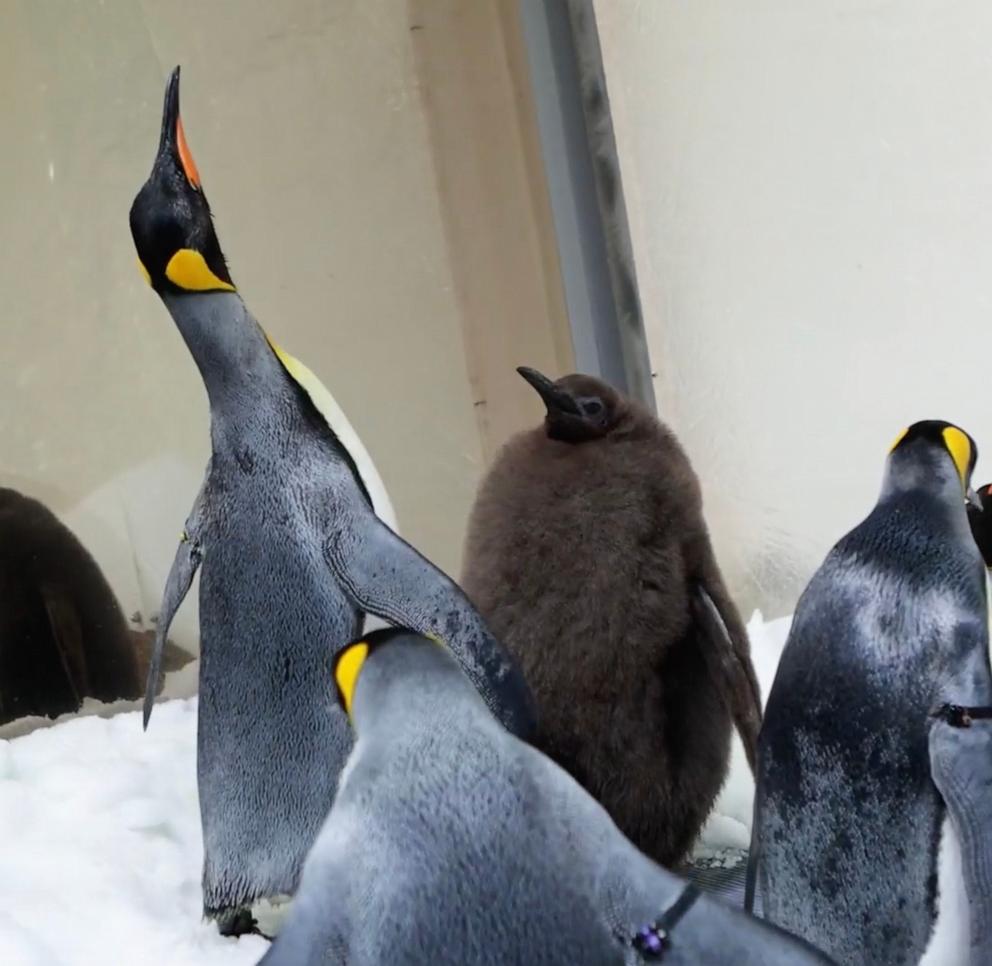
(923, 439)
(580, 408)
(980, 519)
(171, 224)
(384, 652)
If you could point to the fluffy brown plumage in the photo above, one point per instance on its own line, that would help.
(588, 555)
(62, 634)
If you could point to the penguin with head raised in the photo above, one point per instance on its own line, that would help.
(452, 842)
(291, 555)
(852, 847)
(63, 636)
(588, 555)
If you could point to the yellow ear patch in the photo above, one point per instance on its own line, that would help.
(189, 270)
(898, 439)
(144, 272)
(347, 669)
(959, 446)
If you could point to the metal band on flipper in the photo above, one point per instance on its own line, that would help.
(651, 941)
(959, 716)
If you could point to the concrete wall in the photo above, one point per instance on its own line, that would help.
(314, 128)
(810, 197)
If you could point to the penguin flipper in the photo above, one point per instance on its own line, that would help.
(189, 554)
(961, 768)
(729, 663)
(638, 894)
(67, 634)
(387, 577)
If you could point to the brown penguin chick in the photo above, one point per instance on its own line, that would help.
(588, 556)
(63, 636)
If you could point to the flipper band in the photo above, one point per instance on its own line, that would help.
(652, 940)
(958, 716)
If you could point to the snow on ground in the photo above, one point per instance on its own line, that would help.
(100, 847)
(729, 827)
(101, 851)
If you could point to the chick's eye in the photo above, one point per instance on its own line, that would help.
(593, 407)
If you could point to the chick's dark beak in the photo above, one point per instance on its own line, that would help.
(556, 400)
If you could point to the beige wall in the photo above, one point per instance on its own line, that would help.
(313, 126)
(810, 196)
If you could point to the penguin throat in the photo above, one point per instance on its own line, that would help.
(923, 473)
(233, 356)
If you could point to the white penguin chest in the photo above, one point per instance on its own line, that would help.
(951, 937)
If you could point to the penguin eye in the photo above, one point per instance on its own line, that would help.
(592, 407)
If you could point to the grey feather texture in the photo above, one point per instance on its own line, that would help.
(452, 842)
(847, 818)
(270, 739)
(292, 555)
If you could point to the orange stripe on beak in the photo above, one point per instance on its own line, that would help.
(189, 165)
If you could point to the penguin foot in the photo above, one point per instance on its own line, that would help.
(235, 922)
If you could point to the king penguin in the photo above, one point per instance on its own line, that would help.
(63, 636)
(852, 847)
(292, 555)
(588, 555)
(452, 842)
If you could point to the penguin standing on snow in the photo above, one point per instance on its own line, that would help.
(63, 637)
(452, 842)
(852, 846)
(588, 556)
(292, 556)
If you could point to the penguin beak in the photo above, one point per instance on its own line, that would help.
(172, 146)
(555, 399)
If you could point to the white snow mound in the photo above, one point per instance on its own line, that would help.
(100, 846)
(100, 843)
(729, 827)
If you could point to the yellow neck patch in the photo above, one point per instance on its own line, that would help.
(898, 439)
(959, 446)
(189, 270)
(346, 671)
(144, 272)
(293, 366)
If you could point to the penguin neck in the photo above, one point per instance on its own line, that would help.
(243, 378)
(930, 473)
(432, 694)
